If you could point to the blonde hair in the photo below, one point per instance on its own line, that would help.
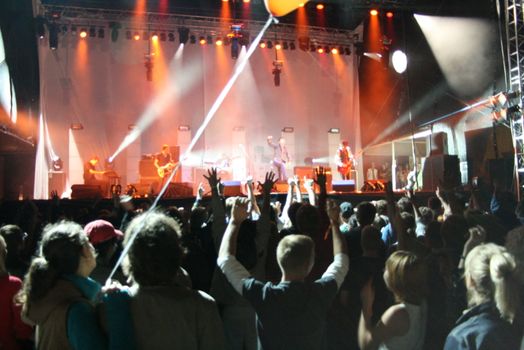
(406, 277)
(296, 254)
(492, 270)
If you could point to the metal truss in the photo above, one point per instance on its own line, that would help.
(514, 26)
(151, 21)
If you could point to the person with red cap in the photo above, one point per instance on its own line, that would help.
(107, 242)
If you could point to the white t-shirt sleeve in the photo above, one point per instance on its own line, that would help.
(338, 269)
(234, 271)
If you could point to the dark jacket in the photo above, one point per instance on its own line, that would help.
(482, 328)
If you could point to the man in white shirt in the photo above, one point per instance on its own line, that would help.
(291, 314)
(372, 173)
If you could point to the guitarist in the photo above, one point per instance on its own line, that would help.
(344, 160)
(164, 163)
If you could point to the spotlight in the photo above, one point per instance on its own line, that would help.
(285, 45)
(301, 4)
(192, 39)
(40, 28)
(184, 128)
(183, 33)
(136, 37)
(154, 37)
(389, 14)
(373, 12)
(129, 36)
(399, 61)
(57, 164)
(83, 33)
(303, 43)
(334, 131)
(209, 39)
(101, 33)
(163, 36)
(269, 44)
(92, 32)
(202, 40)
(334, 51)
(73, 30)
(77, 126)
(247, 1)
(320, 7)
(320, 50)
(219, 42)
(171, 36)
(288, 129)
(262, 44)
(278, 46)
(292, 46)
(53, 36)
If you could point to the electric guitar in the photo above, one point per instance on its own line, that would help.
(165, 170)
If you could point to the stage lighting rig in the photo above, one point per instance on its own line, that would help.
(149, 66)
(238, 37)
(277, 69)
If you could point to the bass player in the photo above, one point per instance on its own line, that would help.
(344, 160)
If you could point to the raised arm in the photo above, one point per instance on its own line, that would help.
(340, 265)
(253, 205)
(321, 180)
(298, 194)
(287, 204)
(199, 196)
(219, 213)
(308, 184)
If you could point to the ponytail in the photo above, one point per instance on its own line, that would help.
(502, 268)
(494, 273)
(60, 251)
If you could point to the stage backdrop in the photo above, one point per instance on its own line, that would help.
(102, 85)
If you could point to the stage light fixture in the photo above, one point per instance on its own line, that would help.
(115, 27)
(92, 32)
(202, 40)
(303, 43)
(40, 26)
(209, 40)
(373, 12)
(64, 29)
(83, 33)
(389, 14)
(269, 44)
(129, 36)
(399, 61)
(131, 127)
(219, 42)
(73, 30)
(163, 36)
(145, 36)
(77, 126)
(171, 36)
(285, 45)
(278, 46)
(53, 36)
(320, 7)
(312, 48)
(184, 128)
(262, 44)
(334, 131)
(348, 51)
(183, 33)
(288, 129)
(154, 37)
(292, 46)
(334, 51)
(320, 50)
(192, 39)
(101, 33)
(246, 1)
(301, 4)
(136, 37)
(57, 164)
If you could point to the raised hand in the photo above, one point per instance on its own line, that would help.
(333, 211)
(291, 181)
(269, 182)
(212, 178)
(201, 190)
(477, 235)
(321, 177)
(308, 184)
(239, 211)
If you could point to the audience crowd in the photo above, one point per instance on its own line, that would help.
(252, 273)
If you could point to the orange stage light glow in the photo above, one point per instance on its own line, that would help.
(320, 50)
(262, 45)
(202, 41)
(83, 33)
(278, 46)
(389, 14)
(246, 1)
(154, 37)
(334, 51)
(225, 0)
(136, 37)
(301, 4)
(219, 42)
(320, 7)
(373, 12)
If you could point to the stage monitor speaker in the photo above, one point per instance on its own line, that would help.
(441, 170)
(344, 185)
(179, 190)
(373, 186)
(232, 188)
(86, 192)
